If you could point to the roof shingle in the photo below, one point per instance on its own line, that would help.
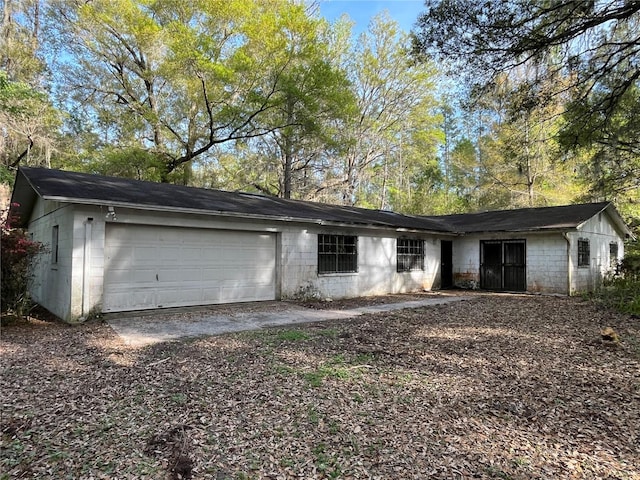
(101, 190)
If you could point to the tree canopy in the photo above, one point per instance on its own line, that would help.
(539, 107)
(178, 78)
(596, 44)
(587, 52)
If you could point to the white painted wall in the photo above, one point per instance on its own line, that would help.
(546, 259)
(466, 261)
(547, 267)
(77, 287)
(92, 297)
(52, 284)
(376, 273)
(600, 232)
(73, 287)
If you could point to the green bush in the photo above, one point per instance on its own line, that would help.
(19, 254)
(622, 291)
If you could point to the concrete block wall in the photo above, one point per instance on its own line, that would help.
(466, 262)
(546, 261)
(601, 233)
(376, 273)
(52, 284)
(88, 237)
(71, 289)
(547, 267)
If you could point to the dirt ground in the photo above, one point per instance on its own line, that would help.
(505, 387)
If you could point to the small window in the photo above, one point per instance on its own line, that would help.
(54, 244)
(613, 255)
(584, 253)
(337, 253)
(410, 255)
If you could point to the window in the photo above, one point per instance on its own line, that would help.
(410, 255)
(337, 253)
(54, 244)
(613, 255)
(583, 252)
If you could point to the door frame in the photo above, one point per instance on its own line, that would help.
(446, 264)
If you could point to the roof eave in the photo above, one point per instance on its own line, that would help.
(541, 230)
(23, 199)
(251, 216)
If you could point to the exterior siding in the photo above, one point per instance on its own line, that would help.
(547, 265)
(72, 288)
(546, 261)
(90, 300)
(52, 284)
(376, 273)
(466, 262)
(79, 290)
(600, 233)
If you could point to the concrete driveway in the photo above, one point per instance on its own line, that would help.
(149, 327)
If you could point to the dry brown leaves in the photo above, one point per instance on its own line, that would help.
(507, 387)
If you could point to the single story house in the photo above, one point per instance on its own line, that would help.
(116, 244)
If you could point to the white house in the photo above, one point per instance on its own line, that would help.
(117, 244)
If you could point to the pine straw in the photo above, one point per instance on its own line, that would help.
(508, 387)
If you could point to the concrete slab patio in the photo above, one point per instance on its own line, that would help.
(146, 328)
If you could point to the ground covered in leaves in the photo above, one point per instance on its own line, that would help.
(506, 387)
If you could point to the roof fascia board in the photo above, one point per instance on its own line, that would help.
(252, 216)
(613, 214)
(615, 218)
(538, 231)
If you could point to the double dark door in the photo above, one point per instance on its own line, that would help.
(503, 265)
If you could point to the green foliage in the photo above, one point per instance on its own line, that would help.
(29, 124)
(607, 142)
(622, 294)
(130, 162)
(292, 336)
(19, 41)
(19, 253)
(6, 175)
(390, 158)
(622, 291)
(178, 79)
(564, 129)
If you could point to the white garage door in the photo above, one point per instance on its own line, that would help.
(154, 267)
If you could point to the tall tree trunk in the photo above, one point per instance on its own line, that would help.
(288, 150)
(36, 25)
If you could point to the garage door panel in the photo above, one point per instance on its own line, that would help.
(141, 296)
(125, 277)
(151, 267)
(180, 276)
(185, 296)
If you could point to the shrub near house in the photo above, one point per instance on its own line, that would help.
(622, 291)
(18, 254)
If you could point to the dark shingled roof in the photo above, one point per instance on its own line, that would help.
(97, 189)
(524, 219)
(100, 190)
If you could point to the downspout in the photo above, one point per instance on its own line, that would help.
(569, 263)
(86, 269)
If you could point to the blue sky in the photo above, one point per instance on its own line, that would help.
(405, 12)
